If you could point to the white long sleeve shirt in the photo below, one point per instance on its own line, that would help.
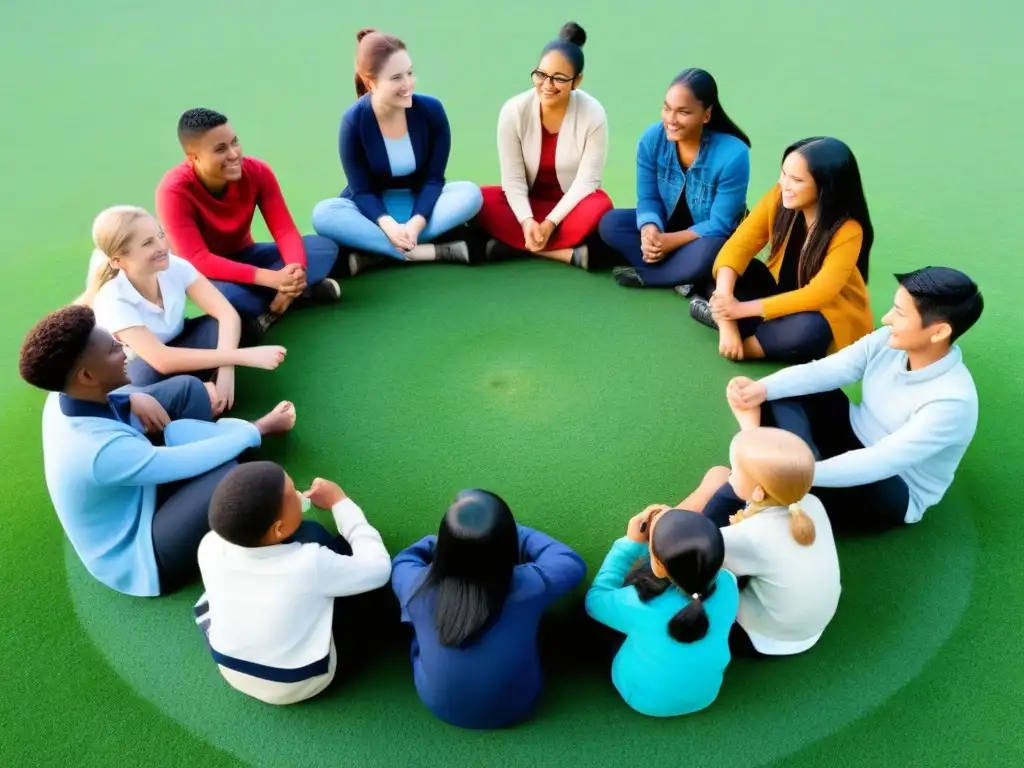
(272, 606)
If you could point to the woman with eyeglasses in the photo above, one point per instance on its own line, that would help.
(692, 171)
(552, 145)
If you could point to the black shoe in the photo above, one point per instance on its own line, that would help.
(456, 253)
(254, 328)
(327, 291)
(686, 291)
(495, 250)
(360, 262)
(627, 277)
(700, 311)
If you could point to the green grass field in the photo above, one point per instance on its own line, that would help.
(578, 401)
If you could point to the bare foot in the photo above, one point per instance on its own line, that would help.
(747, 418)
(279, 420)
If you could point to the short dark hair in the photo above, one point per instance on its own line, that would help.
(195, 122)
(54, 345)
(944, 295)
(246, 502)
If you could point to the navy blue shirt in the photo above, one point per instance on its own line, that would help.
(496, 680)
(364, 157)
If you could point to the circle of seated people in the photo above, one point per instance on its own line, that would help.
(145, 471)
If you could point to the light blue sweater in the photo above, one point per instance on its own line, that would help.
(102, 475)
(914, 424)
(656, 674)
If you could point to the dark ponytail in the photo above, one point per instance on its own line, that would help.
(705, 90)
(691, 550)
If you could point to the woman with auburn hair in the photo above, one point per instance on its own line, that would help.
(552, 145)
(139, 291)
(810, 297)
(394, 146)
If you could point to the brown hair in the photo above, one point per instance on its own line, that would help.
(112, 233)
(783, 466)
(373, 50)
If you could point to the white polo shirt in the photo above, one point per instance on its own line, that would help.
(118, 305)
(794, 589)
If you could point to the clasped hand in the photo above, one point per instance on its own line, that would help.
(147, 409)
(536, 234)
(406, 236)
(744, 393)
(652, 244)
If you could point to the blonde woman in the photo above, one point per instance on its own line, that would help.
(780, 545)
(139, 291)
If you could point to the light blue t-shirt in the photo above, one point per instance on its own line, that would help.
(656, 674)
(400, 156)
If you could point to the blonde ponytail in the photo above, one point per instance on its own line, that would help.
(801, 527)
(101, 272)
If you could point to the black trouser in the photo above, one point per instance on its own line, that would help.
(797, 338)
(823, 421)
(182, 508)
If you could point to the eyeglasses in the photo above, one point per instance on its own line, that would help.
(539, 77)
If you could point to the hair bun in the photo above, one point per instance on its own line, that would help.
(363, 33)
(573, 33)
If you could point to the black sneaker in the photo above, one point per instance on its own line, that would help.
(455, 253)
(686, 291)
(700, 311)
(580, 257)
(327, 291)
(495, 250)
(360, 262)
(254, 328)
(627, 277)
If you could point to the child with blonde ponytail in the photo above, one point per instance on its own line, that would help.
(139, 292)
(780, 544)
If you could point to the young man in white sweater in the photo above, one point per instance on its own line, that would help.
(883, 462)
(269, 612)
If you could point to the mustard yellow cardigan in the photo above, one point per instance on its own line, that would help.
(837, 291)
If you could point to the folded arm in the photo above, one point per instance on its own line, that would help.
(607, 600)
(559, 567)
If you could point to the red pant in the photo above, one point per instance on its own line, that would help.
(496, 218)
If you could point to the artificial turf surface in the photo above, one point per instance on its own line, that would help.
(578, 401)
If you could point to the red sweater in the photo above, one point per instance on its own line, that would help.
(208, 230)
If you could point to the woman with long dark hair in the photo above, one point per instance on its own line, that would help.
(810, 297)
(692, 170)
(474, 595)
(663, 587)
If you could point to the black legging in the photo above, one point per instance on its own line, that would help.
(796, 338)
(823, 421)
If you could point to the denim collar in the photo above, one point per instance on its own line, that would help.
(117, 408)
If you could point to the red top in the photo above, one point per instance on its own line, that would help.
(207, 230)
(546, 186)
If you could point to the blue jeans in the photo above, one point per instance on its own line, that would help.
(254, 300)
(688, 265)
(199, 333)
(339, 219)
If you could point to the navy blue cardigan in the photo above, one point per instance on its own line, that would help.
(364, 158)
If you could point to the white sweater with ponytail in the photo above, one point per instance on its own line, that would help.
(794, 589)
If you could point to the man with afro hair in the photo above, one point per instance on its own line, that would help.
(134, 508)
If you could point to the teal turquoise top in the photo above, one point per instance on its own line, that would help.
(656, 674)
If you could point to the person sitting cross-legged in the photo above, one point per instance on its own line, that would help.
(207, 204)
(134, 511)
(883, 462)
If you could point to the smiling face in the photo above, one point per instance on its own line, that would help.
(395, 83)
(103, 366)
(554, 79)
(683, 116)
(908, 331)
(145, 250)
(216, 157)
(799, 190)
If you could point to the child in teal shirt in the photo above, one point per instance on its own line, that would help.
(676, 609)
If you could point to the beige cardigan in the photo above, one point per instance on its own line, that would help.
(579, 158)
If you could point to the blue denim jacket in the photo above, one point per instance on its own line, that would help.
(715, 185)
